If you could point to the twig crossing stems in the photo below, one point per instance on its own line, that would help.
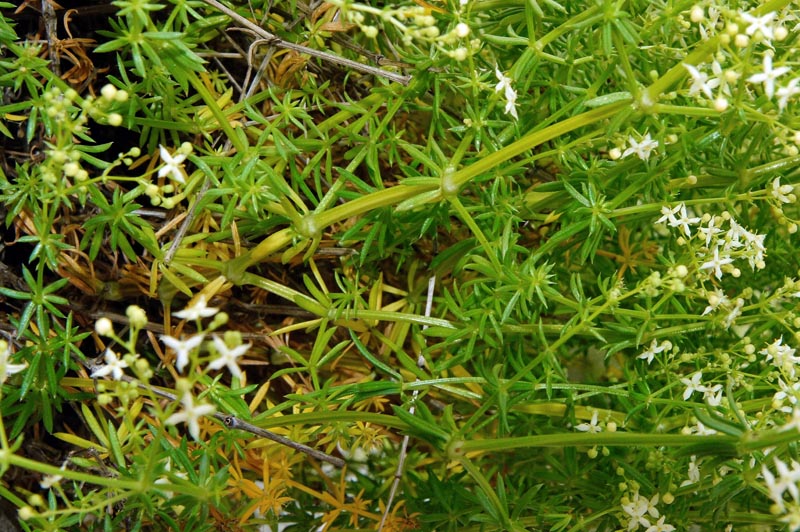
(233, 422)
(325, 56)
(401, 462)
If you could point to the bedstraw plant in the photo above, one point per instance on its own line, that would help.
(250, 246)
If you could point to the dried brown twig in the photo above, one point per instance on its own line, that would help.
(274, 40)
(233, 422)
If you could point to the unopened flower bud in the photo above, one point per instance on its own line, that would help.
(104, 327)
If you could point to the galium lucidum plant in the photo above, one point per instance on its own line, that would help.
(605, 193)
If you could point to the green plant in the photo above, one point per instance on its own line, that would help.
(603, 193)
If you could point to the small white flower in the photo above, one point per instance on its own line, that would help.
(48, 481)
(668, 215)
(228, 356)
(660, 526)
(511, 106)
(710, 231)
(114, 366)
(701, 430)
(182, 348)
(782, 356)
(787, 393)
(642, 149)
(7, 368)
(716, 263)
(693, 473)
(761, 24)
(191, 414)
(685, 221)
(504, 84)
(715, 299)
(713, 395)
(787, 93)
(700, 82)
(735, 312)
(693, 385)
(592, 427)
(787, 481)
(734, 235)
(173, 165)
(794, 423)
(755, 249)
(768, 76)
(779, 192)
(654, 349)
(196, 311)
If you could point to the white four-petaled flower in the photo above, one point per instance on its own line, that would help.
(693, 385)
(182, 348)
(668, 214)
(660, 526)
(701, 82)
(762, 24)
(654, 349)
(592, 427)
(227, 356)
(198, 310)
(768, 76)
(685, 221)
(710, 231)
(114, 366)
(787, 93)
(642, 149)
(191, 414)
(173, 165)
(716, 263)
(787, 481)
(780, 192)
(782, 356)
(715, 299)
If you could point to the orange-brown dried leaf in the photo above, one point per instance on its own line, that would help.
(291, 63)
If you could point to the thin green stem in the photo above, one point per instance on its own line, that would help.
(397, 194)
(136, 486)
(211, 103)
(608, 439)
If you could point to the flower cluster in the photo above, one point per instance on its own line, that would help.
(225, 352)
(414, 23)
(640, 510)
(703, 83)
(743, 30)
(69, 117)
(782, 357)
(720, 246)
